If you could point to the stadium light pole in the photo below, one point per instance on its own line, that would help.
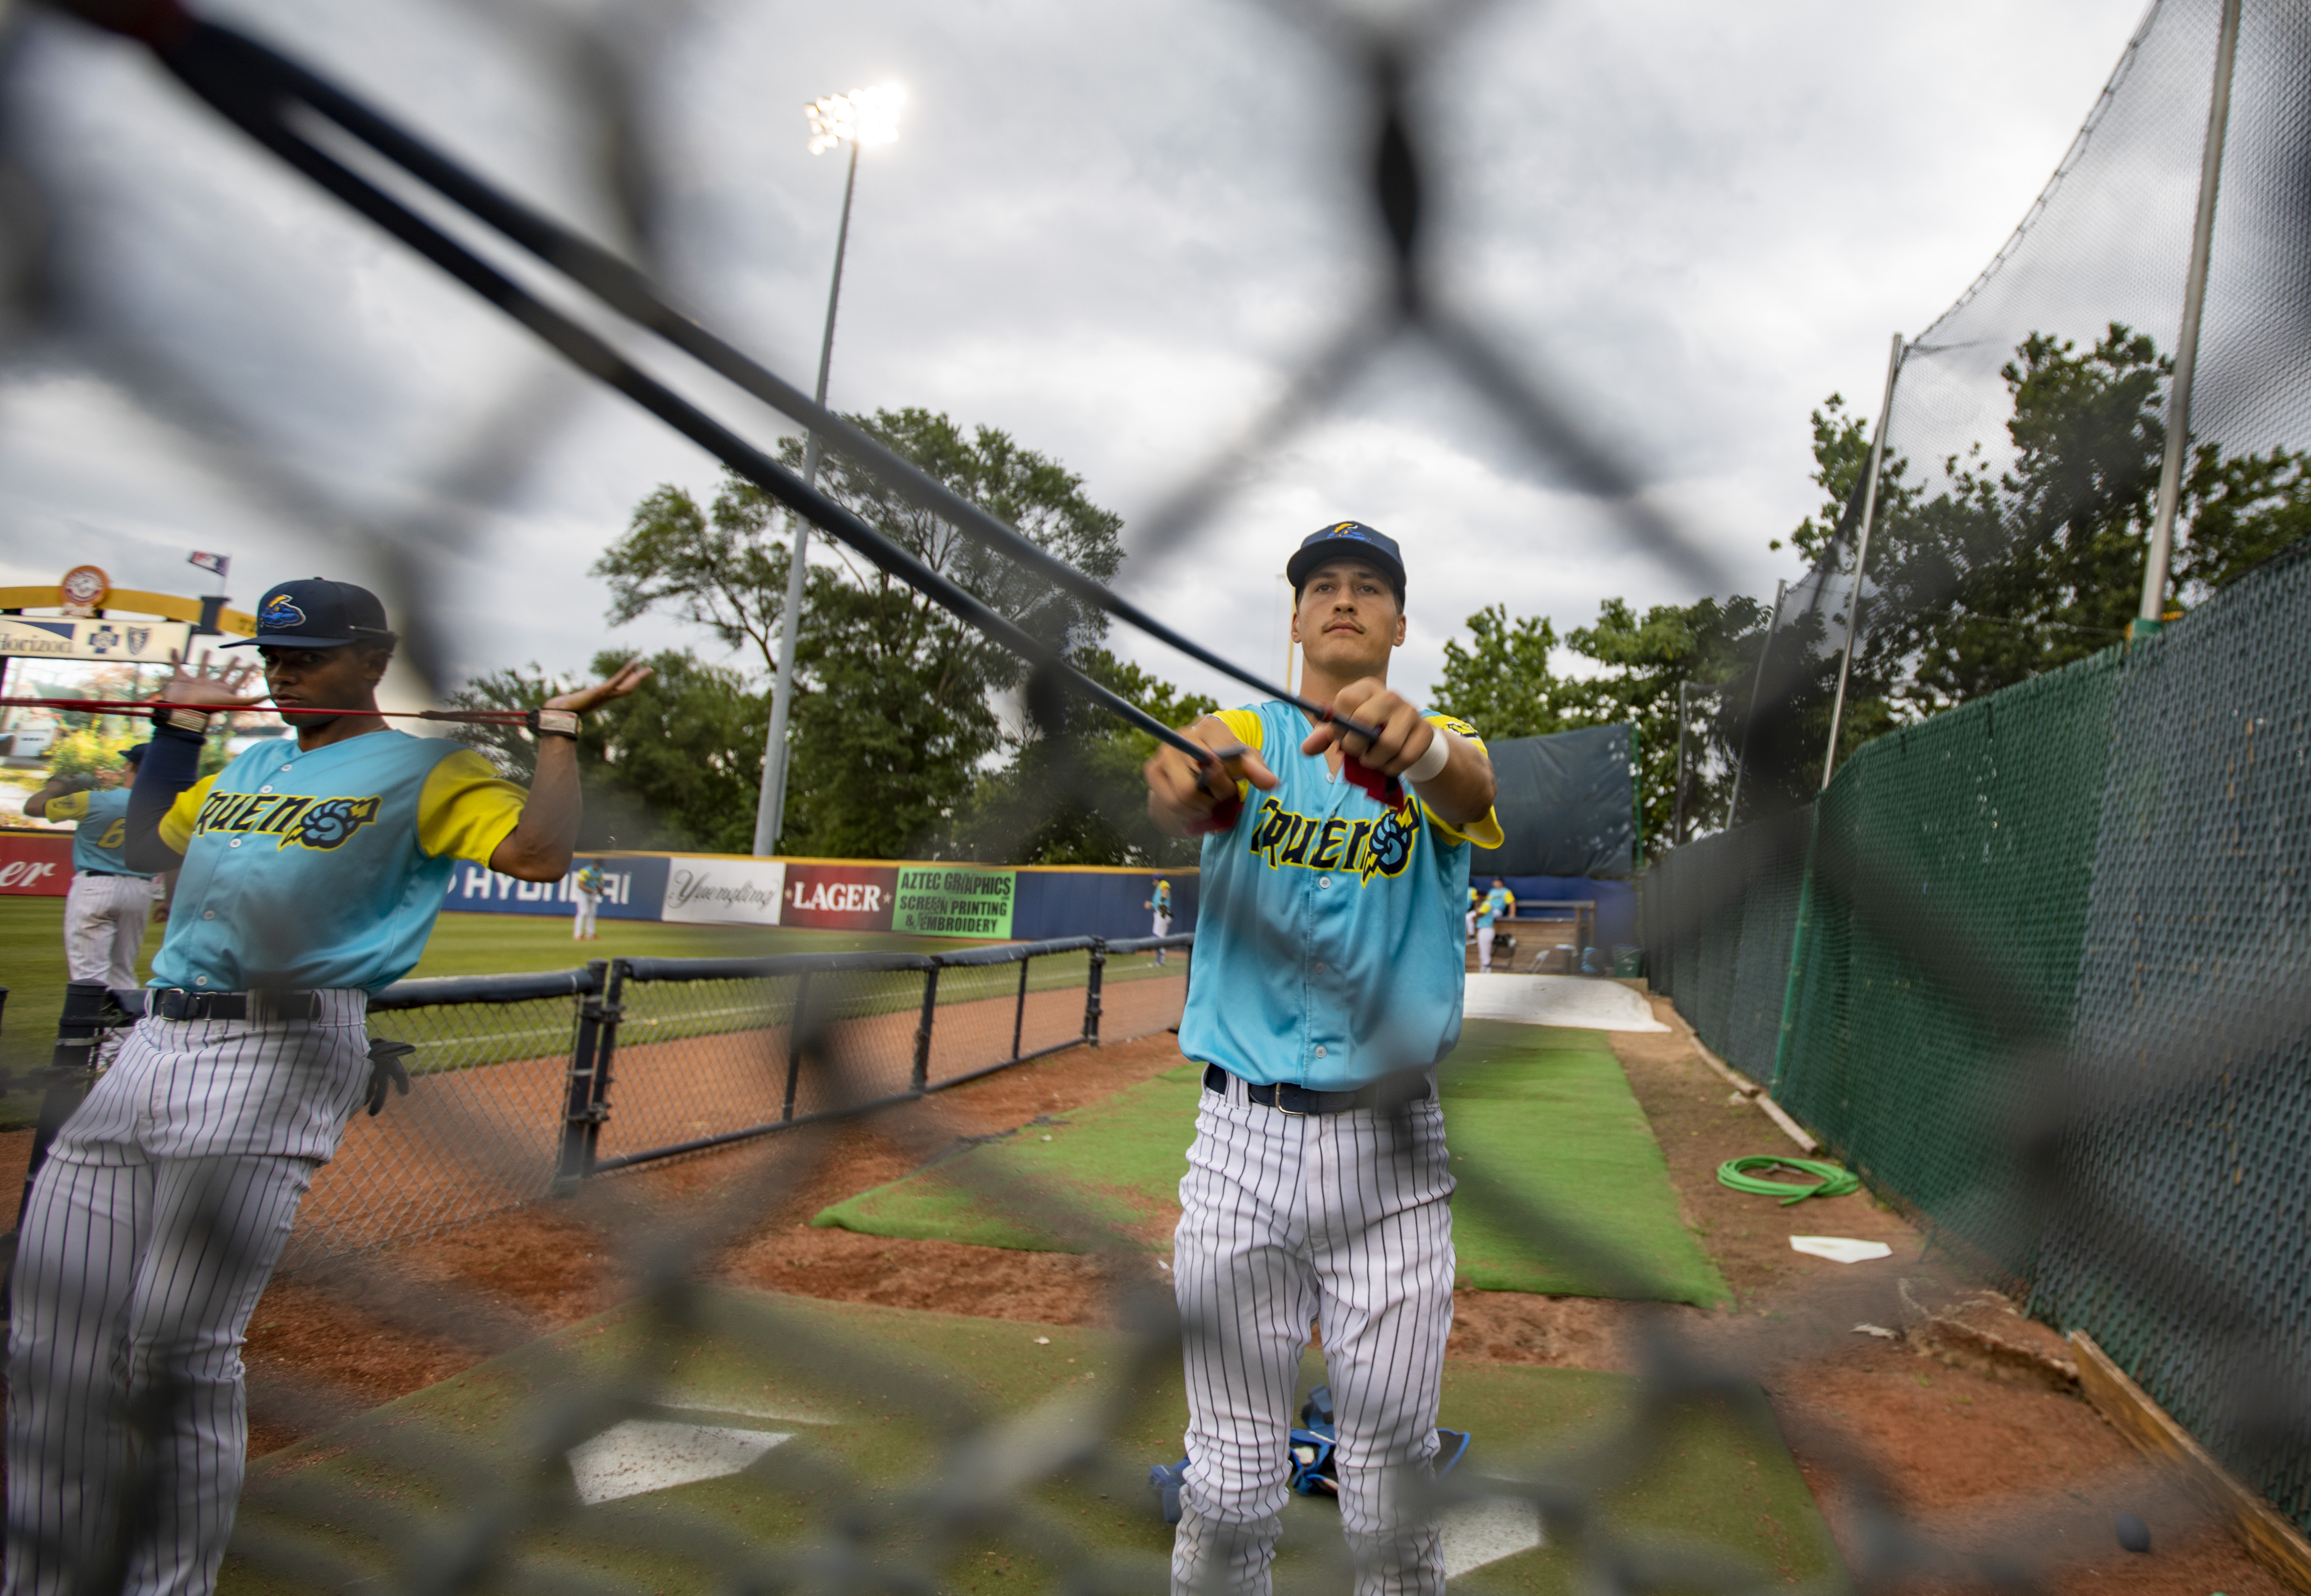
(861, 118)
(2161, 552)
(1862, 558)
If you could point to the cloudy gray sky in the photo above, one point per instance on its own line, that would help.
(1113, 231)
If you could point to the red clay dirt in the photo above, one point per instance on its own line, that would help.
(1998, 1449)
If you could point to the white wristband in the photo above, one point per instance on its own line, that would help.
(1431, 764)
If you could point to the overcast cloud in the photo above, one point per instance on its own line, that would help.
(1111, 232)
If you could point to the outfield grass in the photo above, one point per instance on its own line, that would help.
(32, 967)
(861, 1390)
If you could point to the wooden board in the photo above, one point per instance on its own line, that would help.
(2271, 1538)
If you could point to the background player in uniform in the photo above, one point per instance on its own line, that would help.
(312, 873)
(1498, 904)
(1328, 985)
(589, 899)
(107, 906)
(1162, 904)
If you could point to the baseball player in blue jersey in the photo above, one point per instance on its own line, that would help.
(1328, 986)
(107, 906)
(312, 873)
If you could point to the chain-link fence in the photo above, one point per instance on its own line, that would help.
(2046, 991)
(1909, 919)
(524, 1083)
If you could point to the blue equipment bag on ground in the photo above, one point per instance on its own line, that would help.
(1313, 1443)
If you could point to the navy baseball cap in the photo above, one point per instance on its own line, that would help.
(316, 613)
(1347, 540)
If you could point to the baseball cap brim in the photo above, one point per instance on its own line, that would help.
(280, 640)
(1308, 557)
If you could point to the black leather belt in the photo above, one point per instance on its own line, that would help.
(121, 873)
(175, 1003)
(1391, 1091)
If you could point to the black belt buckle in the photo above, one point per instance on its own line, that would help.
(176, 1003)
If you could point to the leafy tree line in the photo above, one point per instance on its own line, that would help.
(897, 744)
(1987, 579)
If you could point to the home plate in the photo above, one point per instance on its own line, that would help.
(1590, 1004)
(647, 1454)
(1485, 1531)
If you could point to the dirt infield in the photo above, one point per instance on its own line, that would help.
(468, 1142)
(1959, 1444)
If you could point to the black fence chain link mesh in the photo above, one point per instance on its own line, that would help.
(1969, 978)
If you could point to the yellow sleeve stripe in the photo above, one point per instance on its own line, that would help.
(465, 808)
(1486, 832)
(1244, 723)
(177, 825)
(73, 806)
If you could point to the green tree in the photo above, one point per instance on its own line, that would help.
(1502, 682)
(1071, 792)
(894, 709)
(676, 764)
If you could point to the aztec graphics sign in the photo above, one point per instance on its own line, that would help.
(947, 900)
(131, 643)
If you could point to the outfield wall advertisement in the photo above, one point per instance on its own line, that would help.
(965, 901)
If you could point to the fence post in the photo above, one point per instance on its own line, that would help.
(796, 1023)
(1019, 1014)
(578, 1110)
(921, 1080)
(1091, 989)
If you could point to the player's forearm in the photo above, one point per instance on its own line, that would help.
(1462, 792)
(540, 847)
(171, 763)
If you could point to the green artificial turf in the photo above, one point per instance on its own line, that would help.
(869, 1395)
(1539, 1118)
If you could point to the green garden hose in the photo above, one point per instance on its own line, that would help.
(1834, 1180)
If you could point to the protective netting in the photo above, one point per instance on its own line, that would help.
(2047, 993)
(1960, 510)
(1718, 916)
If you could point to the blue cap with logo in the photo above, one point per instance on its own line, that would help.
(316, 613)
(1347, 540)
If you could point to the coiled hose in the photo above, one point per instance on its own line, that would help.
(1833, 1181)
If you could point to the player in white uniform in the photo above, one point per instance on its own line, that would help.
(588, 891)
(1328, 985)
(107, 906)
(311, 877)
(1161, 904)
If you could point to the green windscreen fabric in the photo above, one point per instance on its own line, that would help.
(1939, 959)
(1545, 1112)
(1719, 916)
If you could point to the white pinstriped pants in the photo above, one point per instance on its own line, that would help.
(150, 1233)
(1342, 1220)
(105, 918)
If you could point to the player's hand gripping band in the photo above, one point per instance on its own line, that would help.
(554, 723)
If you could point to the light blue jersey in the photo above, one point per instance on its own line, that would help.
(103, 817)
(324, 868)
(1329, 928)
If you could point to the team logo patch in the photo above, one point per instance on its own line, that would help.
(1364, 848)
(279, 615)
(321, 825)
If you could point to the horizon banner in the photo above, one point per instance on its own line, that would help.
(954, 900)
(723, 891)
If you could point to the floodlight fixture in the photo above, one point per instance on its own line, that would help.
(863, 118)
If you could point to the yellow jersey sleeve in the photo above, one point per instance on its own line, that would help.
(465, 808)
(1484, 833)
(73, 806)
(1245, 725)
(177, 825)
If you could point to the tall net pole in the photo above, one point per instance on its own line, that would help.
(770, 811)
(2161, 552)
(1862, 558)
